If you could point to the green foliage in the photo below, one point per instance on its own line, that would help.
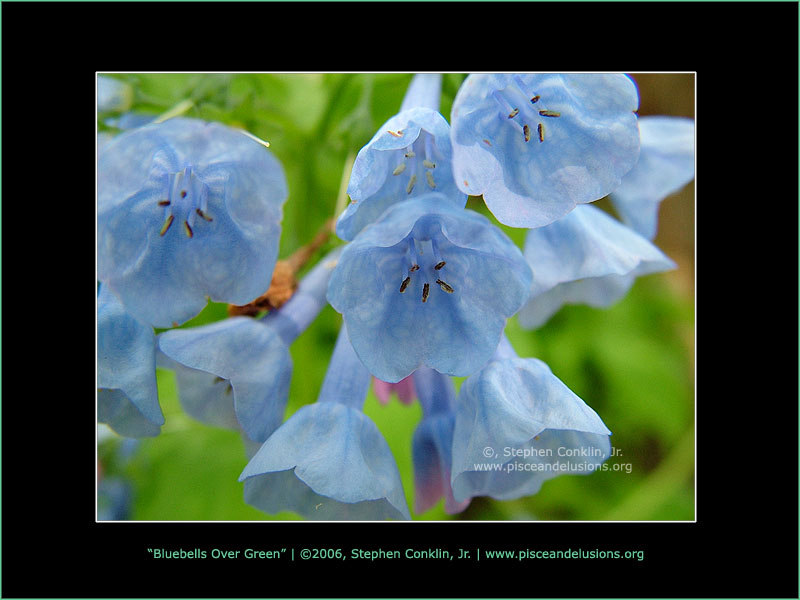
(632, 363)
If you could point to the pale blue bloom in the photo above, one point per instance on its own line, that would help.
(113, 95)
(236, 373)
(666, 164)
(428, 284)
(127, 395)
(433, 440)
(114, 499)
(408, 156)
(329, 461)
(186, 210)
(537, 144)
(241, 362)
(586, 257)
(518, 425)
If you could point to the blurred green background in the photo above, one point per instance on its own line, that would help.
(632, 363)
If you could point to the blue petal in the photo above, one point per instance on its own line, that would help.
(585, 152)
(516, 412)
(118, 411)
(586, 257)
(165, 274)
(248, 354)
(373, 187)
(327, 462)
(666, 164)
(203, 395)
(393, 333)
(126, 365)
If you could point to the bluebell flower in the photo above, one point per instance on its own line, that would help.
(238, 363)
(537, 144)
(666, 164)
(113, 95)
(586, 257)
(186, 210)
(517, 425)
(428, 284)
(329, 461)
(127, 395)
(432, 442)
(114, 499)
(408, 156)
(236, 373)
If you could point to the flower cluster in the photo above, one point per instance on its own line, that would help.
(189, 210)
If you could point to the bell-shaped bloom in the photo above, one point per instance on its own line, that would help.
(518, 425)
(537, 144)
(428, 284)
(113, 95)
(240, 358)
(586, 257)
(408, 156)
(403, 389)
(666, 164)
(186, 210)
(236, 373)
(432, 442)
(127, 395)
(329, 461)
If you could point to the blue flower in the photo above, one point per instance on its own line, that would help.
(113, 95)
(666, 164)
(114, 499)
(238, 362)
(586, 257)
(408, 156)
(236, 373)
(428, 284)
(127, 395)
(329, 461)
(518, 425)
(537, 144)
(432, 442)
(186, 210)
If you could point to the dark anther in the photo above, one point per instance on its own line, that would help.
(404, 285)
(444, 286)
(167, 225)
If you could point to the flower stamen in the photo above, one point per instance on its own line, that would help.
(167, 224)
(425, 290)
(445, 287)
(203, 215)
(429, 179)
(411, 183)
